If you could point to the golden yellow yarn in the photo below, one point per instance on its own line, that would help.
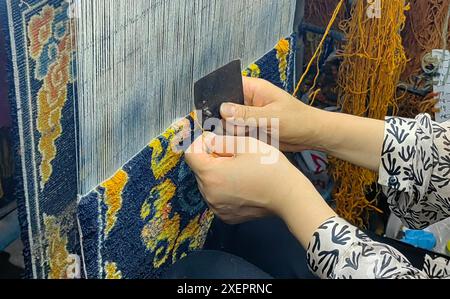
(163, 226)
(164, 159)
(56, 249)
(112, 272)
(282, 49)
(113, 198)
(319, 48)
(252, 71)
(373, 61)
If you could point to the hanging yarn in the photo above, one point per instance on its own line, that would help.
(373, 60)
(423, 32)
(426, 29)
(313, 96)
(318, 12)
(316, 55)
(412, 105)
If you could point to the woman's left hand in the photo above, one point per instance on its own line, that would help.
(243, 179)
(242, 184)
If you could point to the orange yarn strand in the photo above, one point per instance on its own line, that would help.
(319, 48)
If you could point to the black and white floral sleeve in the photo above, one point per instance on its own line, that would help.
(415, 170)
(415, 175)
(339, 250)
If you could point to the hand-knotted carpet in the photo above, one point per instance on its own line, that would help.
(147, 215)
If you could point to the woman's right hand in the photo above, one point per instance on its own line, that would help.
(265, 101)
(354, 139)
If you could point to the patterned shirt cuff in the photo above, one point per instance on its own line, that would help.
(330, 242)
(338, 250)
(407, 144)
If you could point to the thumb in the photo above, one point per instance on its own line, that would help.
(248, 114)
(198, 155)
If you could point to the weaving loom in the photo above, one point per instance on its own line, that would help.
(164, 216)
(92, 84)
(86, 82)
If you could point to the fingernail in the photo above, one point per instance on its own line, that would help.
(227, 110)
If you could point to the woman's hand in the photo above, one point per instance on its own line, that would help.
(244, 179)
(354, 139)
(264, 100)
(249, 180)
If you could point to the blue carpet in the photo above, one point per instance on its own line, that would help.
(39, 60)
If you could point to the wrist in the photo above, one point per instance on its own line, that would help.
(304, 210)
(295, 202)
(316, 129)
(298, 188)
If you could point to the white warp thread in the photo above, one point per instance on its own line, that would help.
(137, 61)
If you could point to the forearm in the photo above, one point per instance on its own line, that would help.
(304, 211)
(335, 248)
(354, 139)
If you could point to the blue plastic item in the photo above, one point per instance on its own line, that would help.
(420, 239)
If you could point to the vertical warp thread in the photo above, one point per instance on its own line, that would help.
(137, 61)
